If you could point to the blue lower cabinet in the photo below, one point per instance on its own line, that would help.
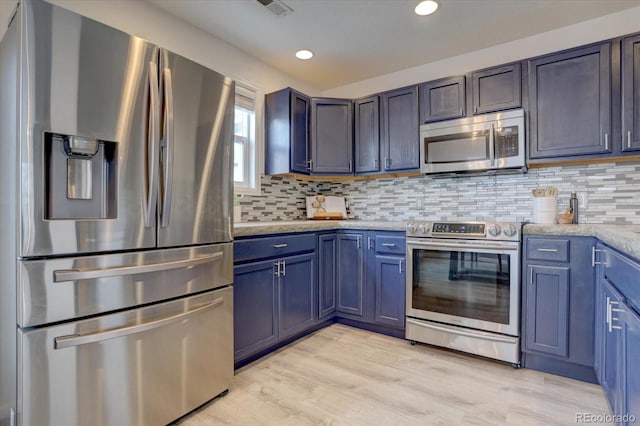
(327, 274)
(350, 274)
(390, 290)
(255, 292)
(296, 294)
(632, 371)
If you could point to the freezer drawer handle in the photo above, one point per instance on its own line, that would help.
(75, 274)
(78, 339)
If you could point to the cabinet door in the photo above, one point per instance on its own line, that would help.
(400, 129)
(497, 89)
(442, 99)
(570, 103)
(547, 315)
(296, 294)
(254, 307)
(367, 136)
(300, 106)
(350, 289)
(327, 273)
(390, 290)
(612, 377)
(331, 136)
(631, 93)
(631, 371)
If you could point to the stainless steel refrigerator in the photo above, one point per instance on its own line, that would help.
(115, 226)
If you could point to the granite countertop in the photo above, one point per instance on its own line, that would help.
(625, 238)
(244, 229)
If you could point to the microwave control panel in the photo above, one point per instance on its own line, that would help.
(506, 142)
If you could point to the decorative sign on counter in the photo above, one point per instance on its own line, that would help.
(326, 207)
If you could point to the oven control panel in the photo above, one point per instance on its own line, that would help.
(504, 231)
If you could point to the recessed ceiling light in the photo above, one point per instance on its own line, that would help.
(304, 54)
(426, 7)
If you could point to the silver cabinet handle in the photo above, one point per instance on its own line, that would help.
(606, 141)
(400, 268)
(548, 250)
(153, 148)
(388, 245)
(629, 139)
(530, 274)
(387, 162)
(277, 267)
(593, 257)
(475, 109)
(283, 245)
(284, 268)
(310, 163)
(375, 163)
(80, 339)
(369, 246)
(167, 83)
(76, 274)
(350, 165)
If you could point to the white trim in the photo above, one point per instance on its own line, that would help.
(258, 145)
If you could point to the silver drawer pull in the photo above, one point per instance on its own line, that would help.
(283, 245)
(548, 250)
(616, 327)
(76, 274)
(617, 310)
(388, 245)
(80, 339)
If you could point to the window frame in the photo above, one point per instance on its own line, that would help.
(250, 98)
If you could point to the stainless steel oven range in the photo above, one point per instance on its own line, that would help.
(463, 287)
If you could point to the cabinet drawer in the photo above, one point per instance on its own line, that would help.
(551, 249)
(388, 244)
(624, 274)
(262, 248)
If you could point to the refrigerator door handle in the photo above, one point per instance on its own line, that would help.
(167, 158)
(152, 146)
(75, 274)
(78, 339)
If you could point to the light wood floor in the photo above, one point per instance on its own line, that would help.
(345, 376)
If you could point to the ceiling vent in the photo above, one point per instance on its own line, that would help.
(277, 7)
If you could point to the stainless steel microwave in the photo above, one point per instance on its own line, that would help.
(488, 142)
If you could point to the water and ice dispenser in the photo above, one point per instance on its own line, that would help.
(80, 177)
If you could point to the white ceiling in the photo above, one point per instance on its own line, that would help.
(358, 39)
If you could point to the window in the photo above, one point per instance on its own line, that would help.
(246, 176)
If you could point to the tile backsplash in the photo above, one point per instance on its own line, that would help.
(608, 193)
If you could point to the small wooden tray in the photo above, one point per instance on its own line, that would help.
(328, 216)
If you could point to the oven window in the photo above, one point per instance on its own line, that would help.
(463, 284)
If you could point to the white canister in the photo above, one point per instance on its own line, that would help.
(544, 209)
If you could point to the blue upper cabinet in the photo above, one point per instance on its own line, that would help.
(287, 132)
(497, 89)
(331, 136)
(570, 104)
(367, 135)
(400, 129)
(631, 93)
(442, 99)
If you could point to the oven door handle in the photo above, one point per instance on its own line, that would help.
(493, 245)
(483, 336)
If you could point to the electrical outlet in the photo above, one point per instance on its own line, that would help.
(582, 200)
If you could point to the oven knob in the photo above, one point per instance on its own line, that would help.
(411, 228)
(494, 230)
(422, 229)
(509, 230)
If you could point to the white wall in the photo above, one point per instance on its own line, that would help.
(148, 22)
(605, 27)
(6, 9)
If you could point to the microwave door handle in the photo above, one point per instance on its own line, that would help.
(152, 147)
(492, 147)
(168, 149)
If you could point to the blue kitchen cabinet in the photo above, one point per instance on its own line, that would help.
(400, 129)
(275, 291)
(350, 286)
(631, 93)
(296, 294)
(287, 116)
(255, 293)
(547, 325)
(570, 104)
(331, 136)
(618, 332)
(559, 305)
(390, 283)
(327, 274)
(367, 135)
(442, 99)
(496, 89)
